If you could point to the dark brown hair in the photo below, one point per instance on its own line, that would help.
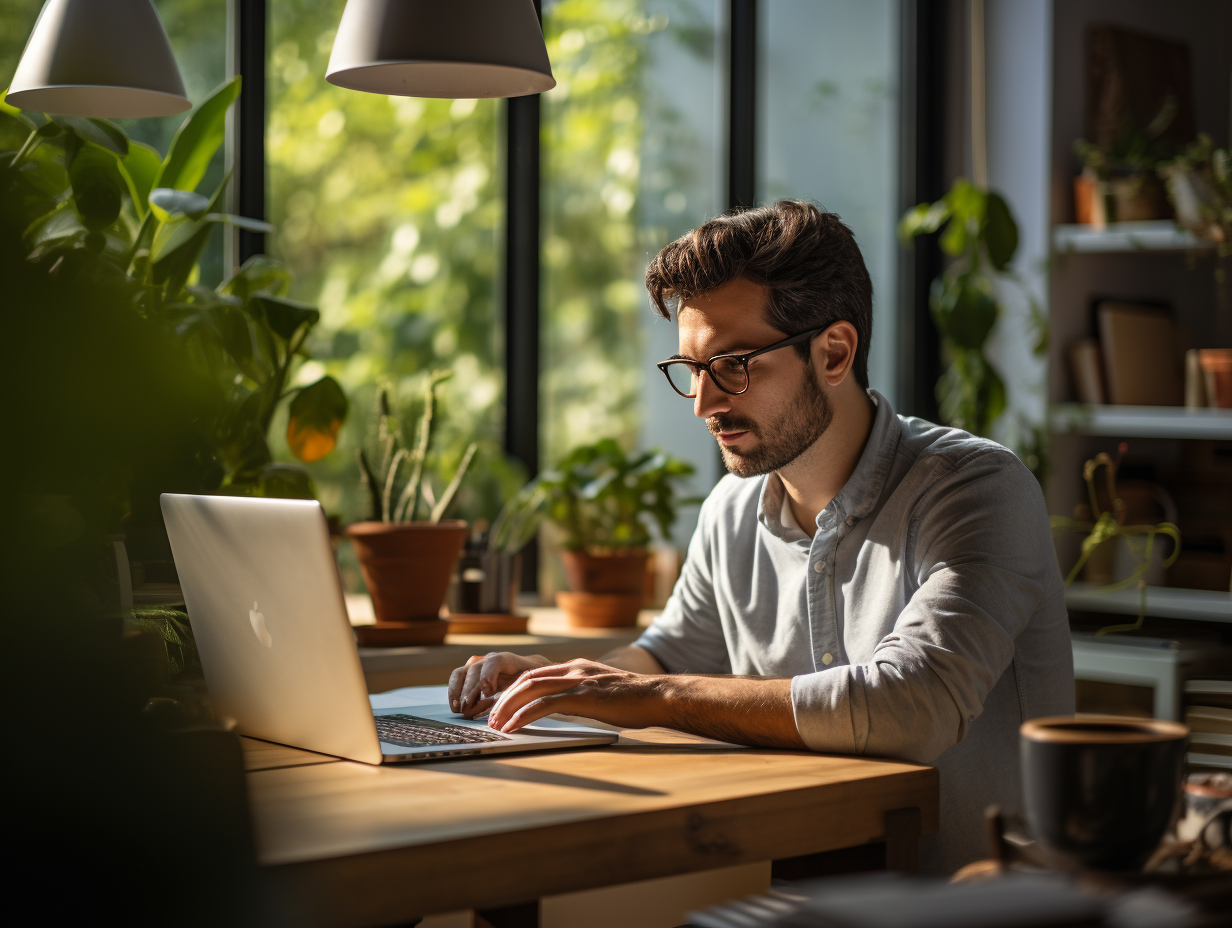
(805, 256)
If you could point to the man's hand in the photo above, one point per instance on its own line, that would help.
(473, 686)
(740, 709)
(582, 687)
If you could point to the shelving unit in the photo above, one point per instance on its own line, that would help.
(1141, 421)
(1163, 602)
(1154, 263)
(1155, 235)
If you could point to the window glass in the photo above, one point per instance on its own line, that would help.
(827, 110)
(630, 161)
(388, 212)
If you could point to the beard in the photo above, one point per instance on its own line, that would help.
(803, 420)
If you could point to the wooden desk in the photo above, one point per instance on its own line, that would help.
(365, 846)
(549, 635)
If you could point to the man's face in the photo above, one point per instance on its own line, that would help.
(783, 412)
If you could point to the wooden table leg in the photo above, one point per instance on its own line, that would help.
(903, 840)
(525, 915)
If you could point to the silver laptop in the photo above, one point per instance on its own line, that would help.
(266, 608)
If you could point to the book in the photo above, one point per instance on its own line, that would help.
(1088, 371)
(1141, 362)
(1209, 719)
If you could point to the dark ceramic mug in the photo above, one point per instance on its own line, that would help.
(1100, 791)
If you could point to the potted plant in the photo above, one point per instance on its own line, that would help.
(604, 502)
(978, 231)
(1199, 184)
(1108, 525)
(407, 561)
(108, 224)
(1118, 181)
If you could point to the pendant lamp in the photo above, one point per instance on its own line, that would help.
(98, 58)
(441, 48)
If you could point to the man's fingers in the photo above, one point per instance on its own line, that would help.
(457, 681)
(537, 709)
(455, 688)
(470, 687)
(526, 689)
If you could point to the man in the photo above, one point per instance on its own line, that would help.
(862, 583)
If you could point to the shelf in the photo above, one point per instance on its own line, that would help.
(1208, 760)
(1161, 602)
(1141, 421)
(1156, 235)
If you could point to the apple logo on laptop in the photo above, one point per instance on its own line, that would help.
(258, 626)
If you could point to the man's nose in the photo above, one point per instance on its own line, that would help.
(710, 400)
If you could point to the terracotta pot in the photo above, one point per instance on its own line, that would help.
(1136, 198)
(407, 566)
(1089, 200)
(606, 573)
(600, 610)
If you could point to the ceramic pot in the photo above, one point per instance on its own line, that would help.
(407, 566)
(606, 573)
(1135, 197)
(600, 610)
(1100, 791)
(608, 589)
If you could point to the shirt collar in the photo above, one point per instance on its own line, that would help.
(859, 494)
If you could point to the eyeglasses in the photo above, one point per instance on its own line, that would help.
(729, 372)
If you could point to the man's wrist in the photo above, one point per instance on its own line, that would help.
(670, 694)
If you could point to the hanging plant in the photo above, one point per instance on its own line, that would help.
(1101, 525)
(979, 233)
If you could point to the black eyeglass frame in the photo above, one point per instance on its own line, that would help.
(744, 360)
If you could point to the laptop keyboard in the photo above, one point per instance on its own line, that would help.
(408, 731)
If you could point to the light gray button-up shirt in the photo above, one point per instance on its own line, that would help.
(924, 620)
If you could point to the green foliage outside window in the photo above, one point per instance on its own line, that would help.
(390, 218)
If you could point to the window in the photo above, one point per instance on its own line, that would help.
(828, 131)
(388, 213)
(631, 143)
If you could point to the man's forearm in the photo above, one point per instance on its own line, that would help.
(633, 658)
(743, 710)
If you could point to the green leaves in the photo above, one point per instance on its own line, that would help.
(98, 187)
(603, 498)
(164, 201)
(964, 310)
(142, 164)
(977, 224)
(285, 317)
(198, 139)
(101, 132)
(979, 232)
(1000, 232)
(316, 415)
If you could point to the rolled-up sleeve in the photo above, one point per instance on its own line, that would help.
(688, 636)
(980, 554)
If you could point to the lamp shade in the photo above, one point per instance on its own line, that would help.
(94, 58)
(441, 48)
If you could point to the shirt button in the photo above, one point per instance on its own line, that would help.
(827, 658)
(851, 520)
(820, 567)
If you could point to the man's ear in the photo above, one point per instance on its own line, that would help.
(834, 352)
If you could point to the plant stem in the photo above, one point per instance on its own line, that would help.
(30, 144)
(438, 511)
(387, 494)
